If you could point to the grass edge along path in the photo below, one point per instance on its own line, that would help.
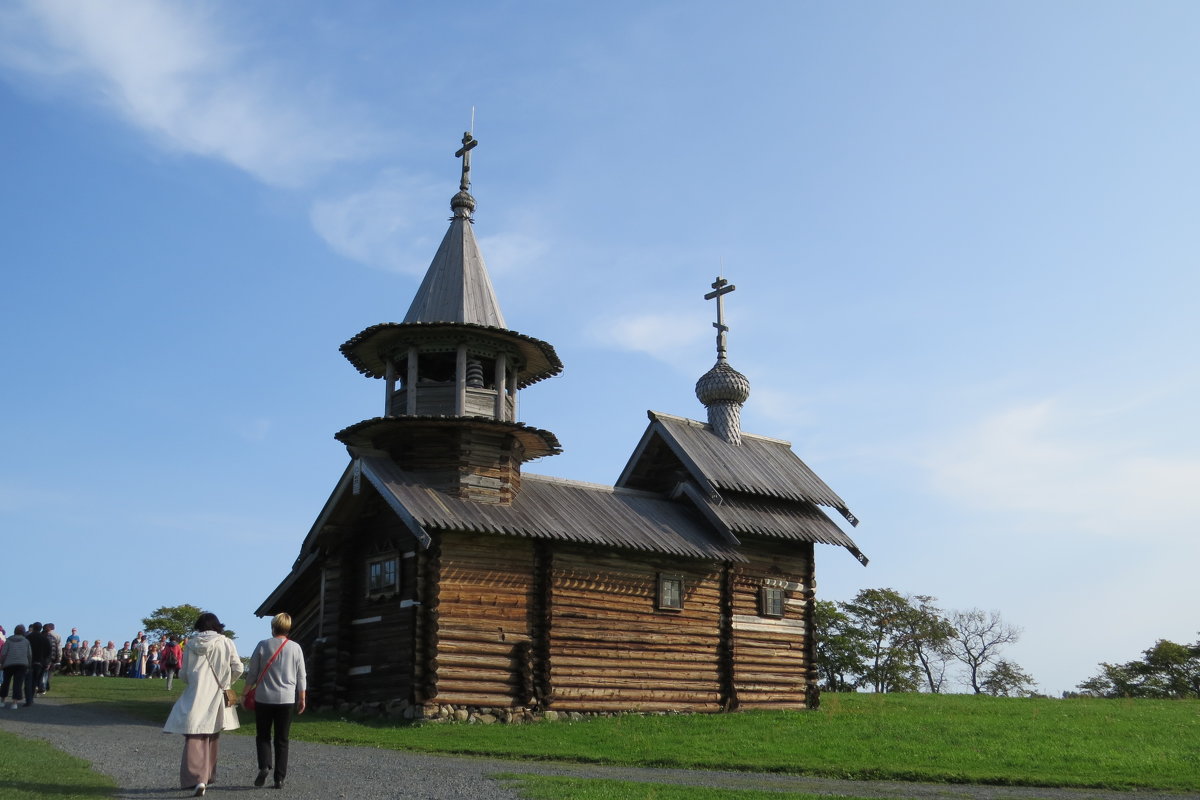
(1084, 743)
(33, 769)
(554, 787)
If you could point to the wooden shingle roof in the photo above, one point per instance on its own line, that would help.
(758, 466)
(553, 508)
(456, 287)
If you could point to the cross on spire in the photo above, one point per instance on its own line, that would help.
(468, 144)
(721, 287)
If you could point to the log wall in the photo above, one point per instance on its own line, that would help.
(374, 635)
(611, 649)
(480, 624)
(772, 662)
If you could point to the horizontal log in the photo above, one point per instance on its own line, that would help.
(572, 684)
(599, 675)
(468, 698)
(630, 658)
(757, 678)
(480, 687)
(615, 639)
(781, 705)
(602, 706)
(656, 624)
(481, 634)
(768, 689)
(634, 695)
(453, 646)
(478, 661)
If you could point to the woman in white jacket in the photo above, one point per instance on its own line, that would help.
(210, 666)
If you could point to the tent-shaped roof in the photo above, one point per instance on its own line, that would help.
(456, 287)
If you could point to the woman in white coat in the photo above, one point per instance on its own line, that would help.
(210, 666)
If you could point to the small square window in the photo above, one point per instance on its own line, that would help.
(383, 575)
(771, 601)
(670, 592)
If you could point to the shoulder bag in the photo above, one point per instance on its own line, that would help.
(248, 702)
(231, 696)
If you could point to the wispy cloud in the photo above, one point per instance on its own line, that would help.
(669, 336)
(378, 225)
(1073, 465)
(176, 73)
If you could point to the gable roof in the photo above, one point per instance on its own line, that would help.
(553, 508)
(758, 466)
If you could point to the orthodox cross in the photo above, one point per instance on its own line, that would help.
(464, 152)
(721, 287)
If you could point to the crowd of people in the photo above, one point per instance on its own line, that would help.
(210, 665)
(38, 652)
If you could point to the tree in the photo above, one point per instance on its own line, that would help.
(1007, 679)
(930, 633)
(1167, 670)
(979, 637)
(842, 649)
(177, 621)
(884, 615)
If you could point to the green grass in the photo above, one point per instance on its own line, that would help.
(941, 738)
(36, 770)
(545, 787)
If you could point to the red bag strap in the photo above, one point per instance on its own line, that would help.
(278, 650)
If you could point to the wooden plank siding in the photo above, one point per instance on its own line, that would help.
(610, 648)
(772, 658)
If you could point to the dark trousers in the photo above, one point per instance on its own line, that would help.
(14, 676)
(33, 682)
(266, 715)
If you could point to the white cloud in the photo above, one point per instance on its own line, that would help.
(1073, 465)
(378, 226)
(666, 336)
(508, 253)
(172, 71)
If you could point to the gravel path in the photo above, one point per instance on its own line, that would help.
(144, 762)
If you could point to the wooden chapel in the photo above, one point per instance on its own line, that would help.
(439, 576)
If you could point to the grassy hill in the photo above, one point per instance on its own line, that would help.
(1120, 744)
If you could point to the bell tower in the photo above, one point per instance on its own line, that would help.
(451, 372)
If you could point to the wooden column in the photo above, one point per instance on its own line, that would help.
(502, 387)
(389, 378)
(410, 387)
(460, 382)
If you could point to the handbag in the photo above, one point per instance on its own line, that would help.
(231, 695)
(248, 701)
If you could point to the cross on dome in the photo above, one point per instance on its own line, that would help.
(469, 143)
(721, 287)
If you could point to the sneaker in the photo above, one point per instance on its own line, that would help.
(199, 790)
(261, 778)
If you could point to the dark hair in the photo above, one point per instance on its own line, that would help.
(208, 622)
(35, 627)
(19, 630)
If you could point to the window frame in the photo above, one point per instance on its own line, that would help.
(662, 600)
(768, 597)
(382, 561)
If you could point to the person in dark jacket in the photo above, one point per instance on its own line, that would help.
(15, 661)
(55, 655)
(39, 653)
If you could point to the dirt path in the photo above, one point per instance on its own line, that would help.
(144, 762)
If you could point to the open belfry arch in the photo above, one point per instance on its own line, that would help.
(439, 578)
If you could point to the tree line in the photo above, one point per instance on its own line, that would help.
(1168, 671)
(892, 642)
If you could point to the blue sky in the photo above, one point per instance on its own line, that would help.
(962, 234)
